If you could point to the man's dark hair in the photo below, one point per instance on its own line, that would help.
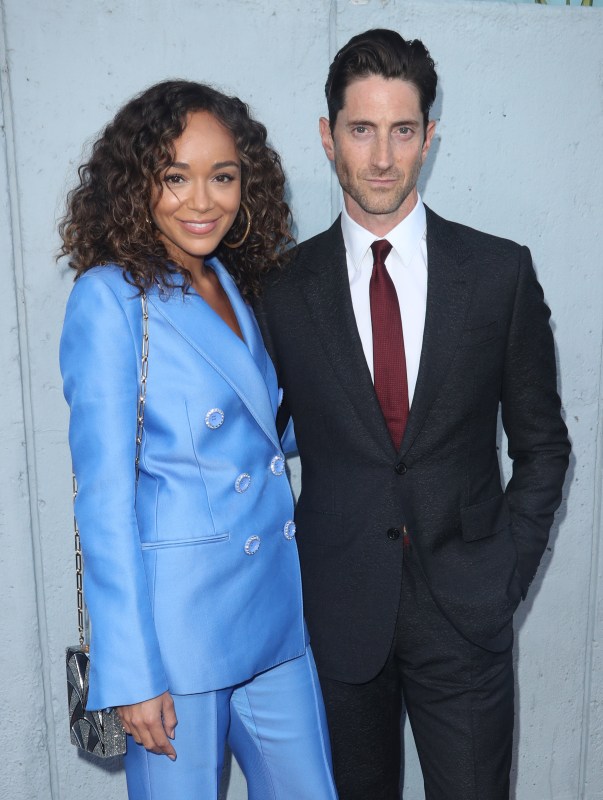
(385, 53)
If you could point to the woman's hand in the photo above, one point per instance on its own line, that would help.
(151, 723)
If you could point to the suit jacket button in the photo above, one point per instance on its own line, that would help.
(401, 468)
(243, 482)
(214, 418)
(277, 465)
(252, 545)
(289, 529)
(393, 534)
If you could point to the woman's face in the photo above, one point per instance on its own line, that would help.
(200, 191)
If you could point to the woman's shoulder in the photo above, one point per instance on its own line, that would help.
(105, 278)
(103, 291)
(108, 274)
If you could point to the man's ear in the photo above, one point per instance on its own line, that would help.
(431, 126)
(327, 138)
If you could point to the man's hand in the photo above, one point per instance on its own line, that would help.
(151, 723)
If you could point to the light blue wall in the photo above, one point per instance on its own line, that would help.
(518, 152)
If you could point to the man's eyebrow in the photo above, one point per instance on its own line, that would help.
(370, 124)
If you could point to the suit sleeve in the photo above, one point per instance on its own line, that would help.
(531, 415)
(100, 368)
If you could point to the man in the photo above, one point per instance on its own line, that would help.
(397, 336)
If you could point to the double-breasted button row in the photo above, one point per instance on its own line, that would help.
(252, 545)
(214, 419)
(243, 481)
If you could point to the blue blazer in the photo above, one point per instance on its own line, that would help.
(192, 576)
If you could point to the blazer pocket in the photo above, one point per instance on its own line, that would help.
(484, 519)
(163, 543)
(480, 334)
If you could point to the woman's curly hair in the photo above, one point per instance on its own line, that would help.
(108, 213)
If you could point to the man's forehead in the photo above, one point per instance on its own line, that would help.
(374, 91)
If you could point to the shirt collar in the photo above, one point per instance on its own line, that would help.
(404, 238)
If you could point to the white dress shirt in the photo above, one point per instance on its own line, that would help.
(407, 266)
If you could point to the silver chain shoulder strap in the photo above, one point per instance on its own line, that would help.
(144, 370)
(142, 396)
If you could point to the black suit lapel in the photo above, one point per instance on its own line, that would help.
(448, 294)
(325, 287)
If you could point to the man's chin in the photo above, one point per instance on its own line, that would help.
(381, 209)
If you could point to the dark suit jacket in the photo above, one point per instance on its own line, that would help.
(487, 342)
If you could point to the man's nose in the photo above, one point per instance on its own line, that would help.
(383, 152)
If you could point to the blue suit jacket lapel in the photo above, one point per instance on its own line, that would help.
(243, 365)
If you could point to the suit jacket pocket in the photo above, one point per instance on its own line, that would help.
(480, 520)
(163, 543)
(480, 334)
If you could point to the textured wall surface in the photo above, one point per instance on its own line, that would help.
(518, 152)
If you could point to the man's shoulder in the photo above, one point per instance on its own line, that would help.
(469, 238)
(324, 247)
(311, 255)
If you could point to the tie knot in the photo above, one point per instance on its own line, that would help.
(381, 249)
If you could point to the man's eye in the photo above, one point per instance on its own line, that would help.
(360, 129)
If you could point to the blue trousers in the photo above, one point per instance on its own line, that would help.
(274, 724)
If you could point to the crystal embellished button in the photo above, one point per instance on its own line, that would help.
(243, 482)
(277, 465)
(289, 529)
(252, 545)
(214, 418)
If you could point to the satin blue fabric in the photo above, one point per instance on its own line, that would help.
(174, 599)
(275, 726)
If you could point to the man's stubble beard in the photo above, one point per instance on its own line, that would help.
(372, 203)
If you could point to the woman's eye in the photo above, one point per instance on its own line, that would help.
(224, 178)
(174, 178)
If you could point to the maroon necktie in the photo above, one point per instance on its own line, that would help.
(389, 360)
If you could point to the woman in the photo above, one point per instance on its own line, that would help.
(191, 570)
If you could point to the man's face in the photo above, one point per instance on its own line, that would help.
(378, 147)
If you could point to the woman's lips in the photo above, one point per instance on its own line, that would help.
(198, 228)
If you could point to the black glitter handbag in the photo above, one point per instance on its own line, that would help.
(98, 732)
